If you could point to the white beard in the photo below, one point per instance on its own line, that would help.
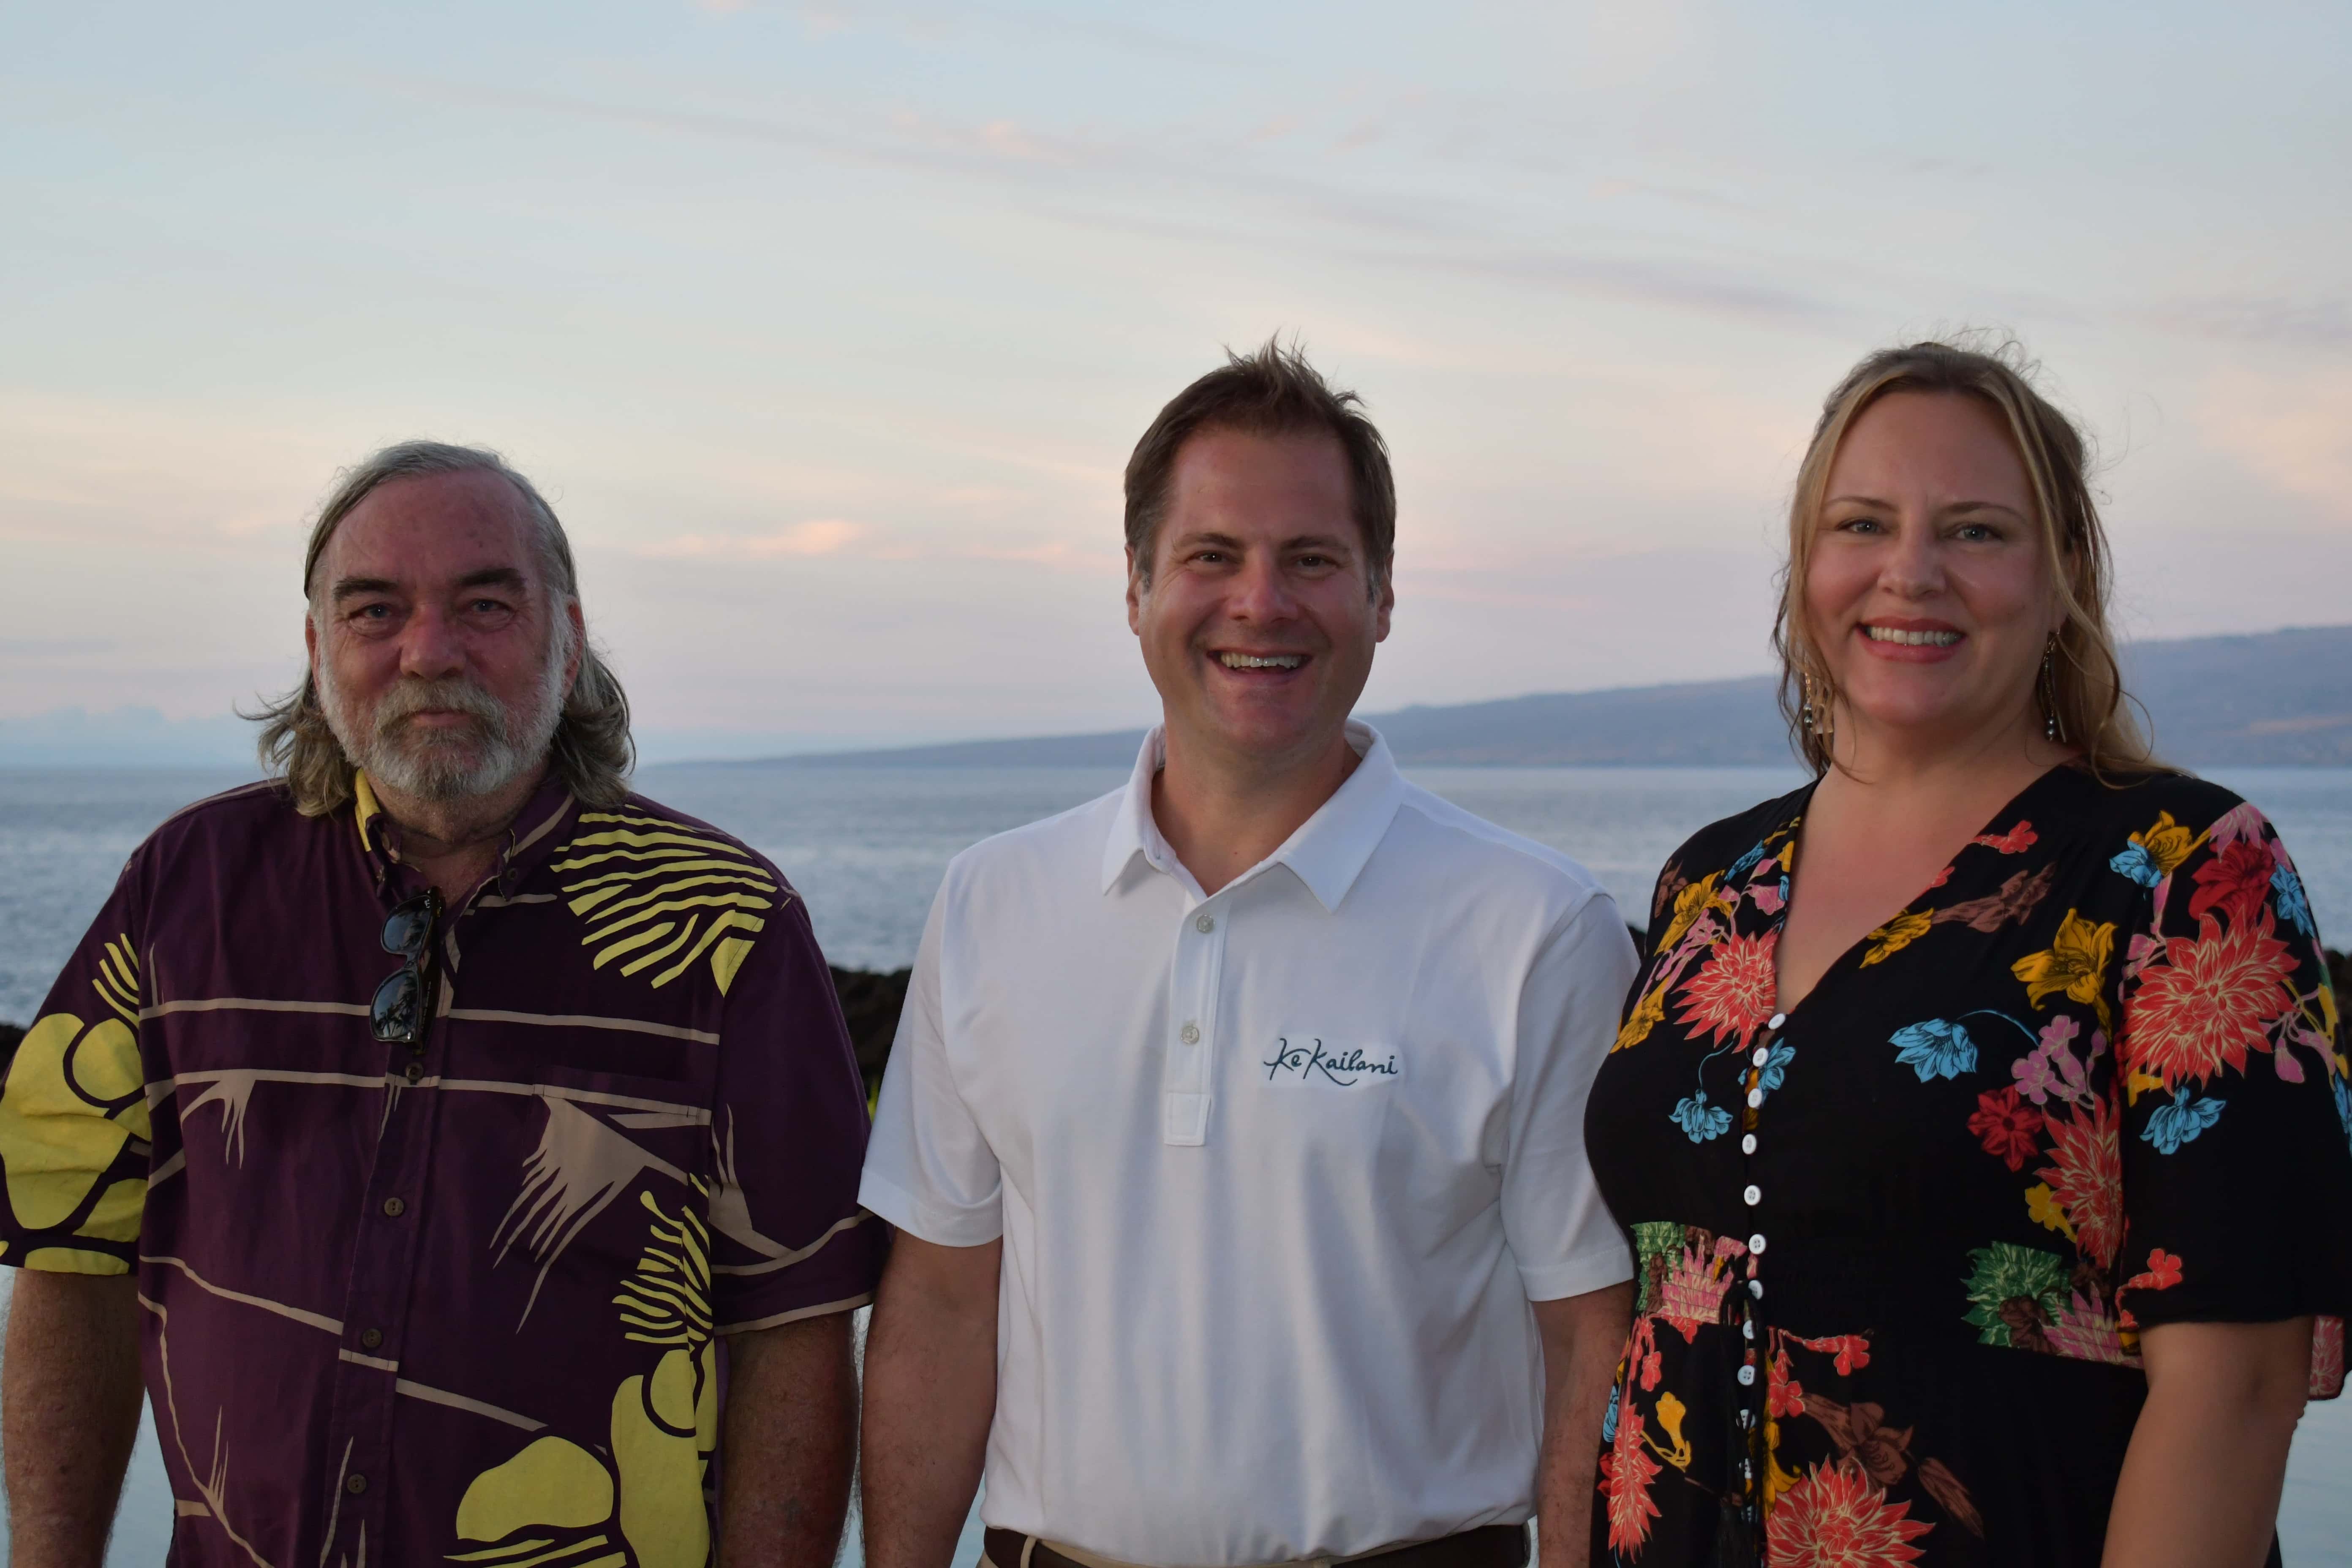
(500, 746)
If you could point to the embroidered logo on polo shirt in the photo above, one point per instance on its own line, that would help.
(1306, 1060)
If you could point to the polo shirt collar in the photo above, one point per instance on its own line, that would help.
(1326, 853)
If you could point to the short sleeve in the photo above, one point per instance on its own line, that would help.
(929, 1171)
(2237, 1130)
(74, 1131)
(788, 1239)
(1560, 1233)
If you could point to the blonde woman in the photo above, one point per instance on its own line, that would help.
(1979, 1117)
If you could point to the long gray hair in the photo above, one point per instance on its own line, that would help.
(591, 751)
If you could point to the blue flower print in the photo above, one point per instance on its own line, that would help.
(2179, 1123)
(1935, 1049)
(1740, 867)
(2139, 864)
(1609, 1421)
(2292, 902)
(1701, 1121)
(1776, 1067)
(2344, 1104)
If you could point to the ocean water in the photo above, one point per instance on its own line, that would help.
(865, 848)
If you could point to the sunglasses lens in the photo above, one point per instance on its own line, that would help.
(408, 928)
(393, 1014)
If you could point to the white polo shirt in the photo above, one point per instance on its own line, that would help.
(1278, 1171)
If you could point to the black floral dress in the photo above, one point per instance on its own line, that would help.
(1895, 1248)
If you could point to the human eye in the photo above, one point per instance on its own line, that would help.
(1863, 526)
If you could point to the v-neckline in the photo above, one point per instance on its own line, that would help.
(1783, 1009)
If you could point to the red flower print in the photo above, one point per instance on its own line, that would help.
(2007, 1125)
(1783, 1395)
(2087, 1177)
(1834, 1518)
(2163, 1272)
(2016, 841)
(1626, 1473)
(2238, 880)
(2200, 1007)
(1733, 993)
(2327, 1357)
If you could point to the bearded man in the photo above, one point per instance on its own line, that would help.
(538, 1248)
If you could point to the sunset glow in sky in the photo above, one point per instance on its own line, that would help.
(829, 327)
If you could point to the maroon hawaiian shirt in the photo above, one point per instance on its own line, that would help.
(463, 1303)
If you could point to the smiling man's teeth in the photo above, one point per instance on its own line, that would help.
(1912, 639)
(1261, 661)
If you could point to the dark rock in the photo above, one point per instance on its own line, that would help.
(869, 1005)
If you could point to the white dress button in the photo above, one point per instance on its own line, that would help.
(1775, 1020)
(1752, 1195)
(1747, 1328)
(1755, 1098)
(1760, 1056)
(1191, 1034)
(1206, 924)
(1748, 1143)
(1756, 1289)
(1756, 1242)
(1747, 1376)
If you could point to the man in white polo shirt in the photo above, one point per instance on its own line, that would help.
(1233, 1133)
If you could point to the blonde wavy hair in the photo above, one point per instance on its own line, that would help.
(591, 751)
(2084, 692)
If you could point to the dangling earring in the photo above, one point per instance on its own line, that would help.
(2051, 725)
(1814, 712)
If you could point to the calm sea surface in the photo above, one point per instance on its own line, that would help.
(867, 847)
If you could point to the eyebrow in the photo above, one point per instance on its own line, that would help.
(350, 587)
(1329, 542)
(1957, 506)
(494, 577)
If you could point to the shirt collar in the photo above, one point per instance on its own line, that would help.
(1327, 852)
(530, 839)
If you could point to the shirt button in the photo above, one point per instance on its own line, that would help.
(1756, 1289)
(1775, 1020)
(413, 1071)
(1756, 1242)
(355, 1484)
(1747, 1376)
(371, 1339)
(1751, 1195)
(1190, 1034)
(1760, 1056)
(1206, 924)
(1748, 1143)
(395, 1208)
(1755, 1098)
(1747, 1328)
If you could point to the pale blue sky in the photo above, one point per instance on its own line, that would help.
(829, 326)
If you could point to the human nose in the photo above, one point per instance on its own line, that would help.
(1262, 593)
(1915, 567)
(429, 647)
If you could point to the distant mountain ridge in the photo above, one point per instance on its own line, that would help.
(2270, 698)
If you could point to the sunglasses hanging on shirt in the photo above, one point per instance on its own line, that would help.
(404, 1001)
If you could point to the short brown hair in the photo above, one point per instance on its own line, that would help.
(1274, 392)
(2086, 694)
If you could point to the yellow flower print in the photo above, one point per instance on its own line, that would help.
(1671, 1412)
(1690, 904)
(2042, 1205)
(2074, 964)
(1642, 1018)
(1898, 934)
(2168, 843)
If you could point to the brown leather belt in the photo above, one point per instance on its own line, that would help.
(1489, 1546)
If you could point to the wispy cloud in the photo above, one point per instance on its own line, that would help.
(818, 536)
